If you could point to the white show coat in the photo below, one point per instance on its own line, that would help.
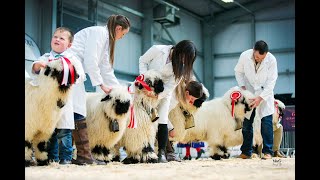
(67, 119)
(26, 74)
(91, 47)
(261, 83)
(156, 58)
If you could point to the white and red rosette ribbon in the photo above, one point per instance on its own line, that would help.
(235, 95)
(67, 67)
(132, 123)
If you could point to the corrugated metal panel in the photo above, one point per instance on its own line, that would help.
(278, 34)
(234, 38)
(288, 140)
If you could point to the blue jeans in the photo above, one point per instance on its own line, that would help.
(60, 145)
(266, 132)
(78, 117)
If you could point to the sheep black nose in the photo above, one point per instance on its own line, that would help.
(122, 107)
(158, 86)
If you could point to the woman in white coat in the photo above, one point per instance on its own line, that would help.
(175, 63)
(257, 72)
(94, 47)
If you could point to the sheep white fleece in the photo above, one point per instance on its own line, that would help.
(214, 123)
(115, 106)
(43, 105)
(138, 142)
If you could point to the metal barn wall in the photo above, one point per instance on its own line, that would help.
(190, 29)
(38, 25)
(277, 27)
(129, 49)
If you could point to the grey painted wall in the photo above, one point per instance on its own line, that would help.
(275, 25)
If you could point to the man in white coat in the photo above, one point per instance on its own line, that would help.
(257, 72)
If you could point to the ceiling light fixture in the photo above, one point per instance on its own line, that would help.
(227, 1)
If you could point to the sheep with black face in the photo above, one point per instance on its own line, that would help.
(139, 142)
(107, 119)
(218, 122)
(43, 105)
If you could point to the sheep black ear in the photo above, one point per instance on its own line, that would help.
(138, 85)
(106, 98)
(158, 86)
(198, 102)
(47, 71)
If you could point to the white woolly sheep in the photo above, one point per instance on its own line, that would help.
(215, 124)
(139, 142)
(103, 110)
(43, 105)
(257, 137)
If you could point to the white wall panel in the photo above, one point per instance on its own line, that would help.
(224, 66)
(278, 34)
(189, 28)
(279, 12)
(198, 68)
(285, 84)
(286, 61)
(222, 86)
(127, 53)
(234, 38)
(32, 20)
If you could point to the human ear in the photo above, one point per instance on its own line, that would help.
(119, 28)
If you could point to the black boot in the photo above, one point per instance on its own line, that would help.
(162, 142)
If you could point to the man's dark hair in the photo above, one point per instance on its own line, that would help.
(261, 46)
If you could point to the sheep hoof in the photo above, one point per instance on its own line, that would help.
(152, 161)
(226, 156)
(216, 157)
(27, 163)
(43, 162)
(130, 161)
(105, 161)
(116, 159)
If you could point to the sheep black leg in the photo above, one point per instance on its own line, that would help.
(216, 157)
(100, 153)
(116, 158)
(42, 149)
(149, 154)
(226, 154)
(28, 152)
(130, 160)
